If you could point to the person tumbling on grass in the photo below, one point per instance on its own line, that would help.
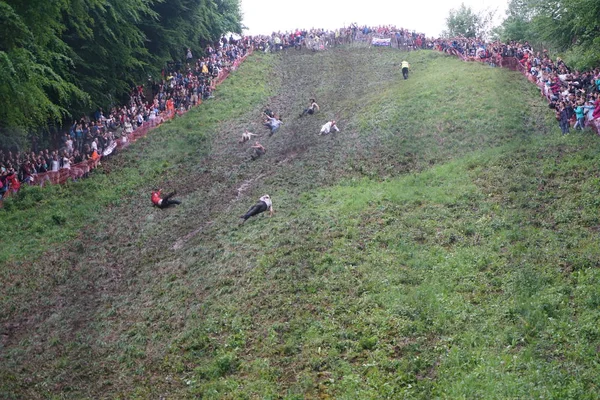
(328, 127)
(263, 204)
(257, 150)
(273, 123)
(312, 108)
(163, 202)
(247, 136)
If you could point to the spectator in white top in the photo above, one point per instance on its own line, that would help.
(55, 163)
(328, 127)
(69, 144)
(263, 204)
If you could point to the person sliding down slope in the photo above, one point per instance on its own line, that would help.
(312, 108)
(263, 204)
(163, 202)
(328, 127)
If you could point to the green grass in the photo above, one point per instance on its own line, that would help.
(443, 245)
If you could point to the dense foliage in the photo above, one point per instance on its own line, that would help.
(462, 22)
(61, 58)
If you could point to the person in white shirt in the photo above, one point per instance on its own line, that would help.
(263, 204)
(246, 136)
(55, 163)
(66, 162)
(69, 144)
(328, 127)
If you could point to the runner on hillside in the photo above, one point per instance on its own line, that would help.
(163, 202)
(263, 204)
(405, 67)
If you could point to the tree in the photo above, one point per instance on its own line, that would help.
(571, 27)
(462, 22)
(36, 87)
(63, 58)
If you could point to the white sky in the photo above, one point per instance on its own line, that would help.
(426, 16)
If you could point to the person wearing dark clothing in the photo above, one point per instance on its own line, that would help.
(263, 204)
(311, 108)
(563, 119)
(163, 202)
(257, 150)
(405, 67)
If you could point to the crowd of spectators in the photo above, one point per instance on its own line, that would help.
(318, 39)
(183, 85)
(574, 95)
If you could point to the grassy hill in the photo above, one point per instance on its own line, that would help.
(443, 244)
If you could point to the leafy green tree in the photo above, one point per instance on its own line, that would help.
(65, 57)
(462, 22)
(570, 27)
(36, 86)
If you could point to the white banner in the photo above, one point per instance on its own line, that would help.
(381, 42)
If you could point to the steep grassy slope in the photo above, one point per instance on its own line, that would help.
(444, 244)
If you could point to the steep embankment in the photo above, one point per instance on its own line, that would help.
(444, 244)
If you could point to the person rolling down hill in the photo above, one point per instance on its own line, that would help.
(405, 67)
(273, 123)
(328, 127)
(257, 150)
(247, 136)
(312, 108)
(163, 202)
(263, 204)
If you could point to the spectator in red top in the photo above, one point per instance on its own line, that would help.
(13, 181)
(163, 202)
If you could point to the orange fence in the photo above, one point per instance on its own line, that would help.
(79, 170)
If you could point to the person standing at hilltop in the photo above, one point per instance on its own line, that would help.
(405, 67)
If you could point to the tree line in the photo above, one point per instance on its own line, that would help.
(59, 59)
(569, 28)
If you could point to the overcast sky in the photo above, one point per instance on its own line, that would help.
(423, 16)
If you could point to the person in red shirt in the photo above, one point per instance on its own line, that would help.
(13, 181)
(163, 202)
